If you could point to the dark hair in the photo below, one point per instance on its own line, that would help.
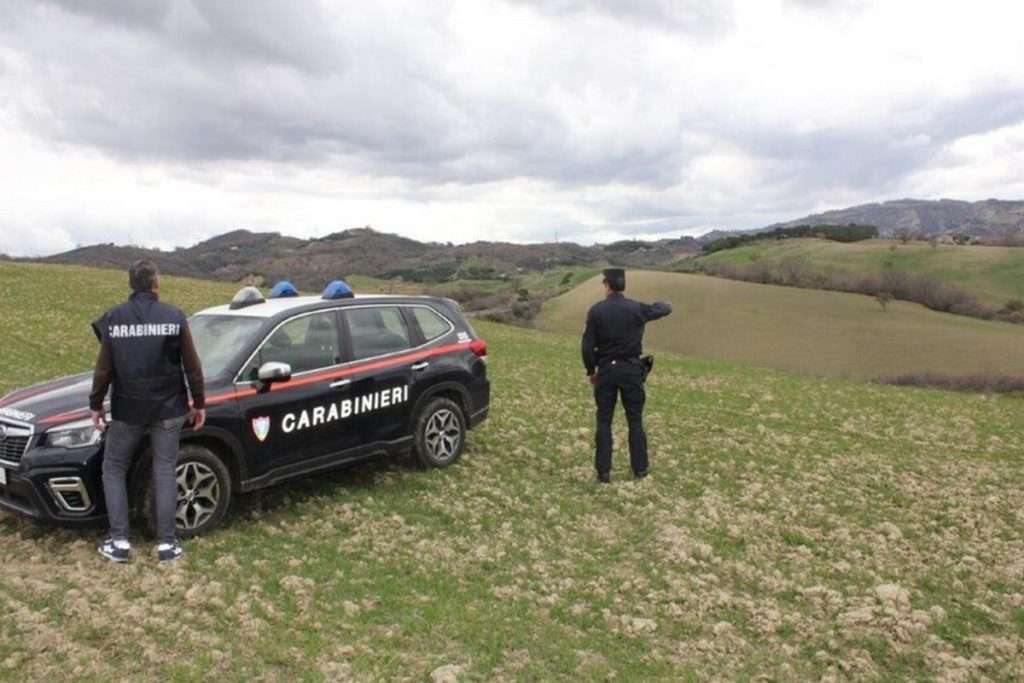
(615, 278)
(142, 276)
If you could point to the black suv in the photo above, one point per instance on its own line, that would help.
(294, 385)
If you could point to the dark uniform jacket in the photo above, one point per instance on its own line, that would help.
(143, 344)
(615, 329)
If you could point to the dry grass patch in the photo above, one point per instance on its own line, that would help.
(810, 331)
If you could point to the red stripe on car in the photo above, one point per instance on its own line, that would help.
(344, 372)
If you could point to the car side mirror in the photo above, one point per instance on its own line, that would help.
(271, 372)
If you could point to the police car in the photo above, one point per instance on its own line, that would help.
(294, 385)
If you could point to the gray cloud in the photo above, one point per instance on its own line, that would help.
(877, 159)
(844, 7)
(640, 114)
(990, 109)
(187, 83)
(693, 17)
(263, 30)
(275, 85)
(137, 15)
(207, 86)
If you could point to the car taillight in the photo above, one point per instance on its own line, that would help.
(479, 348)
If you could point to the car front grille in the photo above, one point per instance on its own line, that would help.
(14, 442)
(13, 447)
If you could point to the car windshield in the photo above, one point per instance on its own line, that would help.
(218, 338)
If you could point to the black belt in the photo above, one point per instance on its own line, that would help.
(621, 361)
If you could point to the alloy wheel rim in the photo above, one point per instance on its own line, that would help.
(443, 435)
(198, 494)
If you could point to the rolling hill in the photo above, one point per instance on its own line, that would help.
(270, 256)
(992, 274)
(988, 218)
(825, 333)
(266, 257)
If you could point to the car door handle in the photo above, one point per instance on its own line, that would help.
(341, 383)
(420, 366)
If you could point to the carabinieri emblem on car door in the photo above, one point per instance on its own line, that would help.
(261, 427)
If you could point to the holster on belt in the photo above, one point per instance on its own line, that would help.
(648, 363)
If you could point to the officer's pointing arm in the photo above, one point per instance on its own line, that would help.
(659, 309)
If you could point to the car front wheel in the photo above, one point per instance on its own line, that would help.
(204, 492)
(440, 432)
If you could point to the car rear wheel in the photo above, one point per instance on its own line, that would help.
(204, 492)
(440, 432)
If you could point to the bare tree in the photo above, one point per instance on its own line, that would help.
(795, 271)
(905, 233)
(883, 299)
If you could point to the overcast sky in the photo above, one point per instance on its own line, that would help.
(163, 123)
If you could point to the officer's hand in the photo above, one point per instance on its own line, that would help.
(99, 420)
(197, 416)
(593, 380)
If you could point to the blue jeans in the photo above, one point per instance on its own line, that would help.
(122, 440)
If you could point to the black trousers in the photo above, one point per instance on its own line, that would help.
(626, 380)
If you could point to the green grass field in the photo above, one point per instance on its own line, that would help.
(793, 528)
(47, 311)
(993, 274)
(812, 331)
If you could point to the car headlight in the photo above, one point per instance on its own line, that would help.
(73, 435)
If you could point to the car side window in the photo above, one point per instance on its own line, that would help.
(376, 331)
(309, 342)
(431, 324)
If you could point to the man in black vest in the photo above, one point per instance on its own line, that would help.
(612, 343)
(143, 345)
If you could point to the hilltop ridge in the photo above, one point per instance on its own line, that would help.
(270, 256)
(986, 218)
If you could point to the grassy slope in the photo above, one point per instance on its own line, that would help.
(54, 306)
(47, 311)
(811, 331)
(793, 527)
(993, 274)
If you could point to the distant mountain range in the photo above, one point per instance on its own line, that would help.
(988, 218)
(270, 256)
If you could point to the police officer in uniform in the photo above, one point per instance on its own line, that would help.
(612, 343)
(144, 345)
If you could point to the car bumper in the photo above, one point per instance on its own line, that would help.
(68, 495)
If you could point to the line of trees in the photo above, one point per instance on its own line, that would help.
(835, 233)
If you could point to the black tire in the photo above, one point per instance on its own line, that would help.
(204, 492)
(440, 432)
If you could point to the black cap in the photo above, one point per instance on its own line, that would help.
(616, 278)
